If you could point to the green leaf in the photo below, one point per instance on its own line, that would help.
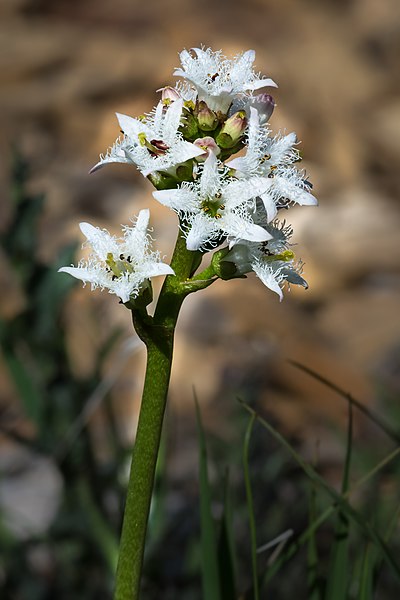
(250, 509)
(210, 576)
(226, 562)
(366, 590)
(337, 581)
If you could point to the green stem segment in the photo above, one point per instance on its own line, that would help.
(158, 334)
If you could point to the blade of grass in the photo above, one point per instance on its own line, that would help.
(394, 435)
(250, 508)
(328, 512)
(337, 581)
(366, 591)
(347, 509)
(388, 534)
(226, 563)
(312, 551)
(210, 577)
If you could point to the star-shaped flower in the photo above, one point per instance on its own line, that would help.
(217, 79)
(273, 157)
(272, 261)
(217, 206)
(121, 266)
(152, 143)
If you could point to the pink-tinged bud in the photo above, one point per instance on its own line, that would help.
(206, 118)
(208, 145)
(232, 130)
(264, 104)
(168, 95)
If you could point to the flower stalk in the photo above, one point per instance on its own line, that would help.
(158, 335)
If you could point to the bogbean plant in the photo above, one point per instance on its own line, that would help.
(228, 207)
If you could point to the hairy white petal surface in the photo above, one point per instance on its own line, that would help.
(132, 127)
(240, 228)
(183, 199)
(203, 231)
(269, 205)
(100, 240)
(293, 189)
(238, 192)
(209, 181)
(269, 277)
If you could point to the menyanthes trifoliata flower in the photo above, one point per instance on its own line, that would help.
(153, 142)
(273, 157)
(120, 265)
(272, 261)
(217, 79)
(217, 206)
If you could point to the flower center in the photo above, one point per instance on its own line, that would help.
(119, 266)
(155, 147)
(213, 205)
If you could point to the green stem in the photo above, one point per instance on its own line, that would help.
(158, 335)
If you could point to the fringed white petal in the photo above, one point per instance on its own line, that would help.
(268, 277)
(100, 240)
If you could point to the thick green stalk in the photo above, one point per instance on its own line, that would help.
(158, 335)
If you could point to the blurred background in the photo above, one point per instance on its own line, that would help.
(71, 370)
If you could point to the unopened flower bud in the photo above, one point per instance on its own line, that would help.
(232, 130)
(206, 118)
(189, 128)
(208, 145)
(168, 95)
(264, 104)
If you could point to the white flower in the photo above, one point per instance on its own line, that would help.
(121, 266)
(216, 206)
(217, 79)
(272, 261)
(273, 157)
(152, 144)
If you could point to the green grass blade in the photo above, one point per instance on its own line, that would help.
(226, 562)
(366, 589)
(312, 551)
(393, 523)
(337, 581)
(210, 576)
(346, 508)
(250, 510)
(394, 435)
(328, 512)
(100, 531)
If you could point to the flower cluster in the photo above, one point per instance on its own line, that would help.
(186, 147)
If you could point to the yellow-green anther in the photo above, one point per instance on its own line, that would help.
(285, 256)
(112, 264)
(142, 139)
